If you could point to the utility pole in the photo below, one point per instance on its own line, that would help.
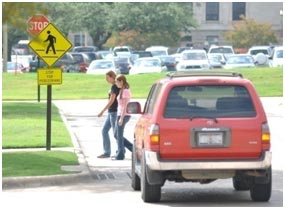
(5, 46)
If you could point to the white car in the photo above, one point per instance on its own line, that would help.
(157, 50)
(225, 50)
(195, 59)
(147, 65)
(101, 66)
(276, 60)
(216, 60)
(14, 67)
(260, 54)
(239, 61)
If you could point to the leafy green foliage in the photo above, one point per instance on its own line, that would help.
(248, 32)
(102, 19)
(147, 21)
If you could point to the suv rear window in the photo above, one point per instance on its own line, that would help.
(209, 101)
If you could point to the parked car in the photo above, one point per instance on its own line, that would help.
(216, 60)
(260, 54)
(157, 50)
(138, 54)
(195, 59)
(14, 67)
(105, 54)
(169, 62)
(84, 49)
(225, 50)
(101, 66)
(276, 59)
(123, 64)
(239, 61)
(122, 50)
(199, 127)
(181, 49)
(91, 56)
(147, 65)
(68, 64)
(81, 60)
(142, 53)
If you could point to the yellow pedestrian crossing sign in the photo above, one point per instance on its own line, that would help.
(50, 44)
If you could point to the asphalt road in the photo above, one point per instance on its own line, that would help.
(108, 182)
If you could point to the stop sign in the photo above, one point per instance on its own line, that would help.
(37, 23)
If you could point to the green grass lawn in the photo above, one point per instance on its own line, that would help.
(39, 163)
(24, 126)
(268, 82)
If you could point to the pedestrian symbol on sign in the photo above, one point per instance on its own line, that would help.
(52, 41)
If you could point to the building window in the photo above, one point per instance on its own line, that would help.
(238, 10)
(79, 40)
(212, 11)
(212, 40)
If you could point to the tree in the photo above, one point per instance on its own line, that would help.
(248, 33)
(146, 20)
(84, 16)
(14, 23)
(148, 23)
(139, 24)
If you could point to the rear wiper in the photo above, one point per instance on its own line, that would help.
(213, 118)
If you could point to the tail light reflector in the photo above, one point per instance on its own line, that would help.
(154, 134)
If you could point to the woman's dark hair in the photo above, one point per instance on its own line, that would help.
(111, 74)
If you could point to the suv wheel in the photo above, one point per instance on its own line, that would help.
(240, 183)
(150, 193)
(261, 191)
(136, 182)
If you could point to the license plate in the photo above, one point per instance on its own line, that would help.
(210, 139)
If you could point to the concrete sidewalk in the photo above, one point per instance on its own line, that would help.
(84, 127)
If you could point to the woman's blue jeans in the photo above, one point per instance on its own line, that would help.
(122, 142)
(109, 123)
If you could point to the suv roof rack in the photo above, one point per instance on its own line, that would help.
(203, 73)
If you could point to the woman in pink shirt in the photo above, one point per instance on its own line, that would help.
(123, 117)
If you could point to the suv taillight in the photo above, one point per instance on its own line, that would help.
(265, 137)
(154, 134)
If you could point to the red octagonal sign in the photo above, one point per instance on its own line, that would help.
(37, 23)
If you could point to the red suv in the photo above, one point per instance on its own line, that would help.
(200, 127)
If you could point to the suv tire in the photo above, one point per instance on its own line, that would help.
(240, 183)
(150, 193)
(260, 191)
(136, 182)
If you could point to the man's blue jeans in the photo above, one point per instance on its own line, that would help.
(108, 124)
(122, 142)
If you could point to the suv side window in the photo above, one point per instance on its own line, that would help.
(209, 101)
(152, 98)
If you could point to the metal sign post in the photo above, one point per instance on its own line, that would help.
(49, 77)
(39, 87)
(48, 128)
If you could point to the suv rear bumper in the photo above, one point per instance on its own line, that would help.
(155, 163)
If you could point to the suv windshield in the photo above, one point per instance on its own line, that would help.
(209, 101)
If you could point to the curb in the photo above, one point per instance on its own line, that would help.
(39, 181)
